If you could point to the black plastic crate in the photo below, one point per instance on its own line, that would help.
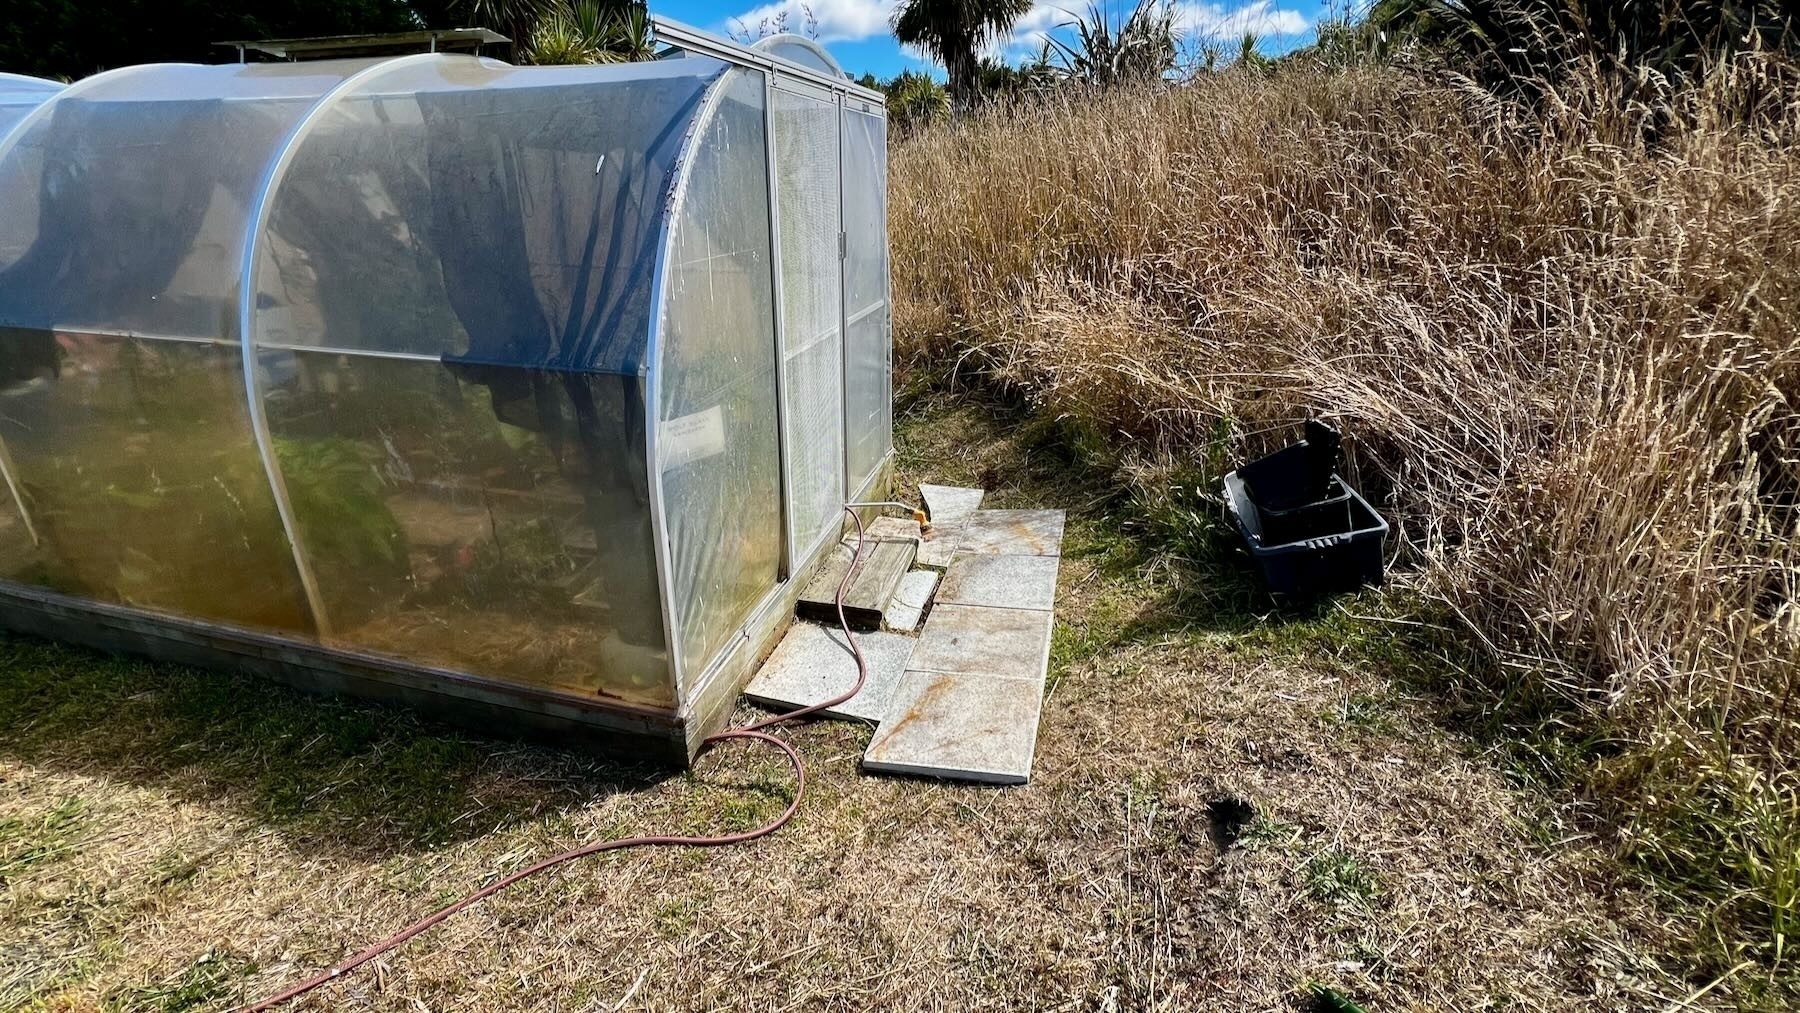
(1342, 556)
(1297, 475)
(1326, 516)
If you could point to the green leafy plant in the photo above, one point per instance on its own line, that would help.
(1106, 52)
(1336, 877)
(591, 31)
(914, 99)
(336, 485)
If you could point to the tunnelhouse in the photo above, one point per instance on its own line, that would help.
(531, 393)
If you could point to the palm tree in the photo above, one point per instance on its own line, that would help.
(953, 32)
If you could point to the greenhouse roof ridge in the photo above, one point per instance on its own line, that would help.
(25, 82)
(694, 40)
(319, 46)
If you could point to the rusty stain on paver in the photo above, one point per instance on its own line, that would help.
(1014, 532)
(999, 642)
(968, 704)
(1021, 582)
(966, 727)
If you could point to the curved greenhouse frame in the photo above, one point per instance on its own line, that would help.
(19, 95)
(531, 390)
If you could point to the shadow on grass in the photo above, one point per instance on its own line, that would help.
(334, 775)
(1176, 565)
(355, 778)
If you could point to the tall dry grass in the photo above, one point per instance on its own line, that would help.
(1563, 344)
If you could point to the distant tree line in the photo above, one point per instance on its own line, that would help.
(1518, 47)
(71, 39)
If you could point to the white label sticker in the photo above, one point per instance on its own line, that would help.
(692, 437)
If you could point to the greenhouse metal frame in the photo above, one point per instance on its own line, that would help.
(531, 395)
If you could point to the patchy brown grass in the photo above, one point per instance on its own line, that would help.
(1229, 807)
(1565, 346)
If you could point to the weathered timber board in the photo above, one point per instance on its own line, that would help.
(866, 601)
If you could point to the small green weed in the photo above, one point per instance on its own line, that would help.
(1336, 877)
(1268, 833)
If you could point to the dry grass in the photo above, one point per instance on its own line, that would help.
(176, 840)
(1565, 361)
(1566, 356)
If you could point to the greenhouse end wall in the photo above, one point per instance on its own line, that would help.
(434, 380)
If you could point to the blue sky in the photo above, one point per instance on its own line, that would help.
(856, 31)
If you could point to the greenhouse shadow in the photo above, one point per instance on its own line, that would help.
(332, 775)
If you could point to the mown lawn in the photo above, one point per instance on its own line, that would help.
(1232, 809)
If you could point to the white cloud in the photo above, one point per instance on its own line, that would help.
(1262, 18)
(1195, 22)
(833, 20)
(854, 20)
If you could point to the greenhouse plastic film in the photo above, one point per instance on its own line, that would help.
(123, 209)
(19, 96)
(470, 330)
(488, 521)
(122, 212)
(444, 271)
(716, 444)
(484, 213)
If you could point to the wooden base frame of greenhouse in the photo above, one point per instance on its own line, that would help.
(491, 706)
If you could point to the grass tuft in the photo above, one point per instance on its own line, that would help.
(1336, 877)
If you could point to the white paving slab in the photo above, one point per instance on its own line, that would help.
(974, 640)
(963, 727)
(938, 545)
(812, 663)
(1020, 582)
(908, 606)
(1013, 532)
(946, 504)
(968, 705)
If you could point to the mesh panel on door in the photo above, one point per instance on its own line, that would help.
(806, 152)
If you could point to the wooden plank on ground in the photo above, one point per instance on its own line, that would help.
(884, 564)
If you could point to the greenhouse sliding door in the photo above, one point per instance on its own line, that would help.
(868, 380)
(806, 158)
